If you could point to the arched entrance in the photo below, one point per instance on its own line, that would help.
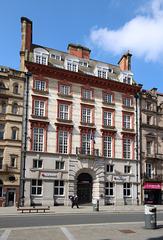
(84, 188)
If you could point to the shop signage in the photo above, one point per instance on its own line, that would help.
(150, 185)
(49, 175)
(84, 182)
(120, 178)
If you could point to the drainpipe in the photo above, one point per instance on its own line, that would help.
(28, 74)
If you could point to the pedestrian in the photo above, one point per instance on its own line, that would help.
(72, 199)
(76, 201)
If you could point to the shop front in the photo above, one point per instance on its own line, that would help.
(152, 193)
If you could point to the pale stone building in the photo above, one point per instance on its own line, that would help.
(81, 127)
(11, 116)
(151, 131)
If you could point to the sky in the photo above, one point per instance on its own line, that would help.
(108, 28)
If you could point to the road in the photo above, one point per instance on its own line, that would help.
(73, 219)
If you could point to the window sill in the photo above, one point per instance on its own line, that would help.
(87, 124)
(108, 127)
(108, 104)
(64, 95)
(63, 120)
(87, 100)
(40, 91)
(39, 117)
(128, 107)
(128, 129)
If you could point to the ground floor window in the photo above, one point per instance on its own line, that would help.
(152, 196)
(36, 187)
(127, 189)
(109, 189)
(59, 188)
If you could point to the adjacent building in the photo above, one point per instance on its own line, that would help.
(11, 117)
(80, 127)
(151, 132)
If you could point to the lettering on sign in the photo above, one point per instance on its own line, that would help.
(49, 175)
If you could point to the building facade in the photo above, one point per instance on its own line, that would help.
(11, 118)
(151, 105)
(80, 125)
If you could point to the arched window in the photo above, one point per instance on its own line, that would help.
(1, 188)
(15, 108)
(2, 85)
(16, 88)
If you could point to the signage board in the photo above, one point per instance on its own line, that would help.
(49, 175)
(151, 185)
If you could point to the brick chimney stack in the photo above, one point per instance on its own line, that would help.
(26, 39)
(78, 51)
(125, 61)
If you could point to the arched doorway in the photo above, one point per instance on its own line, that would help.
(84, 188)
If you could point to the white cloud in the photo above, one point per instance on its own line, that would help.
(142, 35)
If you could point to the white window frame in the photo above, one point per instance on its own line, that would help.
(63, 137)
(107, 98)
(127, 102)
(64, 111)
(127, 148)
(37, 186)
(59, 187)
(109, 187)
(39, 108)
(87, 94)
(38, 139)
(64, 89)
(127, 169)
(40, 85)
(107, 118)
(110, 168)
(149, 147)
(127, 121)
(41, 56)
(37, 163)
(59, 165)
(107, 146)
(127, 189)
(86, 143)
(86, 115)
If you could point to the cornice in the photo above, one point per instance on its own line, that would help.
(80, 78)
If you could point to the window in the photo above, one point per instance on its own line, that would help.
(39, 108)
(149, 146)
(85, 64)
(110, 168)
(60, 165)
(107, 146)
(36, 187)
(127, 102)
(4, 108)
(37, 163)
(13, 161)
(87, 94)
(86, 143)
(58, 188)
(148, 106)
(65, 90)
(63, 142)
(1, 159)
(148, 120)
(102, 74)
(127, 80)
(63, 111)
(14, 134)
(56, 57)
(127, 169)
(109, 189)
(107, 118)
(2, 129)
(86, 115)
(38, 139)
(107, 98)
(1, 189)
(16, 88)
(127, 148)
(127, 121)
(41, 56)
(127, 189)
(149, 170)
(72, 67)
(15, 108)
(2, 85)
(40, 85)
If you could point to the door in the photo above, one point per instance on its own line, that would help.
(84, 188)
(10, 198)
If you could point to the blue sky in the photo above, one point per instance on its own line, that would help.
(108, 27)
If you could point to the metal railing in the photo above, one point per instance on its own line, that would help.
(153, 176)
(87, 151)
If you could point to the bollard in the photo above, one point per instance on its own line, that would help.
(95, 205)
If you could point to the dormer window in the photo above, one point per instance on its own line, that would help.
(101, 71)
(41, 56)
(84, 64)
(127, 80)
(72, 64)
(55, 56)
(125, 77)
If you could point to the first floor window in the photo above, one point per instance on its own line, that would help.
(127, 148)
(86, 144)
(86, 115)
(63, 142)
(36, 187)
(64, 90)
(127, 169)
(59, 165)
(107, 98)
(127, 121)
(39, 108)
(37, 163)
(59, 188)
(109, 189)
(127, 189)
(63, 111)
(1, 159)
(110, 168)
(40, 85)
(149, 145)
(38, 139)
(108, 118)
(149, 170)
(107, 146)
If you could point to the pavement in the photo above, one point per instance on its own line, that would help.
(104, 231)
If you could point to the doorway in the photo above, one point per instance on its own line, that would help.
(84, 188)
(10, 197)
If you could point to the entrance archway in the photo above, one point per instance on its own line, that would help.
(84, 188)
